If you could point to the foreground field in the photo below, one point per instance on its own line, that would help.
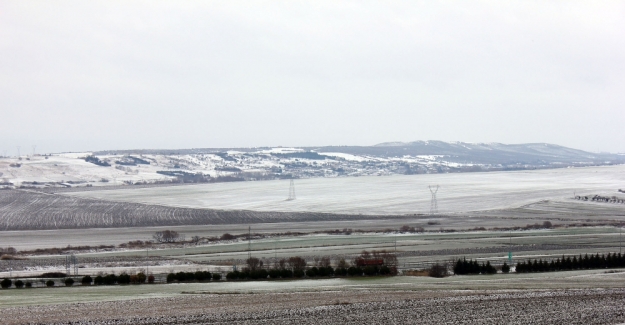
(576, 297)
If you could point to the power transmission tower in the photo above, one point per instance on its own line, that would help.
(291, 191)
(433, 202)
(34, 147)
(18, 151)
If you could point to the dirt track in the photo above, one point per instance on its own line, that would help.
(399, 307)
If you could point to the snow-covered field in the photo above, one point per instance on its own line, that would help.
(398, 194)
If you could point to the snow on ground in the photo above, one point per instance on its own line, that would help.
(397, 194)
(345, 156)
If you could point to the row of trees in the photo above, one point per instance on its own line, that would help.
(19, 284)
(585, 262)
(193, 276)
(367, 263)
(464, 267)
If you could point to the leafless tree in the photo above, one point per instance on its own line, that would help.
(324, 262)
(297, 263)
(253, 263)
(166, 236)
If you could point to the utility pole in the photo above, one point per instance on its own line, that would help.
(249, 242)
(147, 261)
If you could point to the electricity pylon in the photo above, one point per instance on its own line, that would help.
(433, 202)
(291, 191)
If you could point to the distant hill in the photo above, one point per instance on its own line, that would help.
(482, 153)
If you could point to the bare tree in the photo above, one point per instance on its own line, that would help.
(253, 263)
(297, 263)
(166, 236)
(324, 262)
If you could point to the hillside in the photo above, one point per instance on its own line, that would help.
(208, 165)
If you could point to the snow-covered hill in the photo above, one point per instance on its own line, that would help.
(125, 167)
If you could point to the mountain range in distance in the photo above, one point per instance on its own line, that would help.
(204, 165)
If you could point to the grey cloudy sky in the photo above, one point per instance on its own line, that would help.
(90, 75)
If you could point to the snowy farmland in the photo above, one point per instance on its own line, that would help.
(398, 194)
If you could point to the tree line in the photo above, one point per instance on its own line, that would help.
(580, 262)
(464, 267)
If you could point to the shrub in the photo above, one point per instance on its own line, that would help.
(298, 273)
(123, 278)
(110, 279)
(50, 283)
(312, 272)
(216, 277)
(353, 271)
(286, 273)
(171, 277)
(274, 274)
(53, 275)
(29, 285)
(199, 275)
(99, 280)
(86, 280)
(340, 271)
(370, 270)
(150, 279)
(69, 282)
(385, 270)
(19, 284)
(140, 277)
(232, 276)
(438, 271)
(262, 274)
(6, 283)
(227, 236)
(505, 268)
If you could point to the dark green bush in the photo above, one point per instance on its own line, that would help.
(274, 274)
(138, 278)
(19, 284)
(99, 280)
(354, 271)
(29, 284)
(285, 274)
(123, 278)
(171, 277)
(199, 275)
(298, 273)
(109, 279)
(86, 280)
(505, 268)
(370, 270)
(262, 274)
(312, 272)
(216, 277)
(6, 283)
(50, 283)
(69, 282)
(340, 271)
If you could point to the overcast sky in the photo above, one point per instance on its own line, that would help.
(91, 75)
